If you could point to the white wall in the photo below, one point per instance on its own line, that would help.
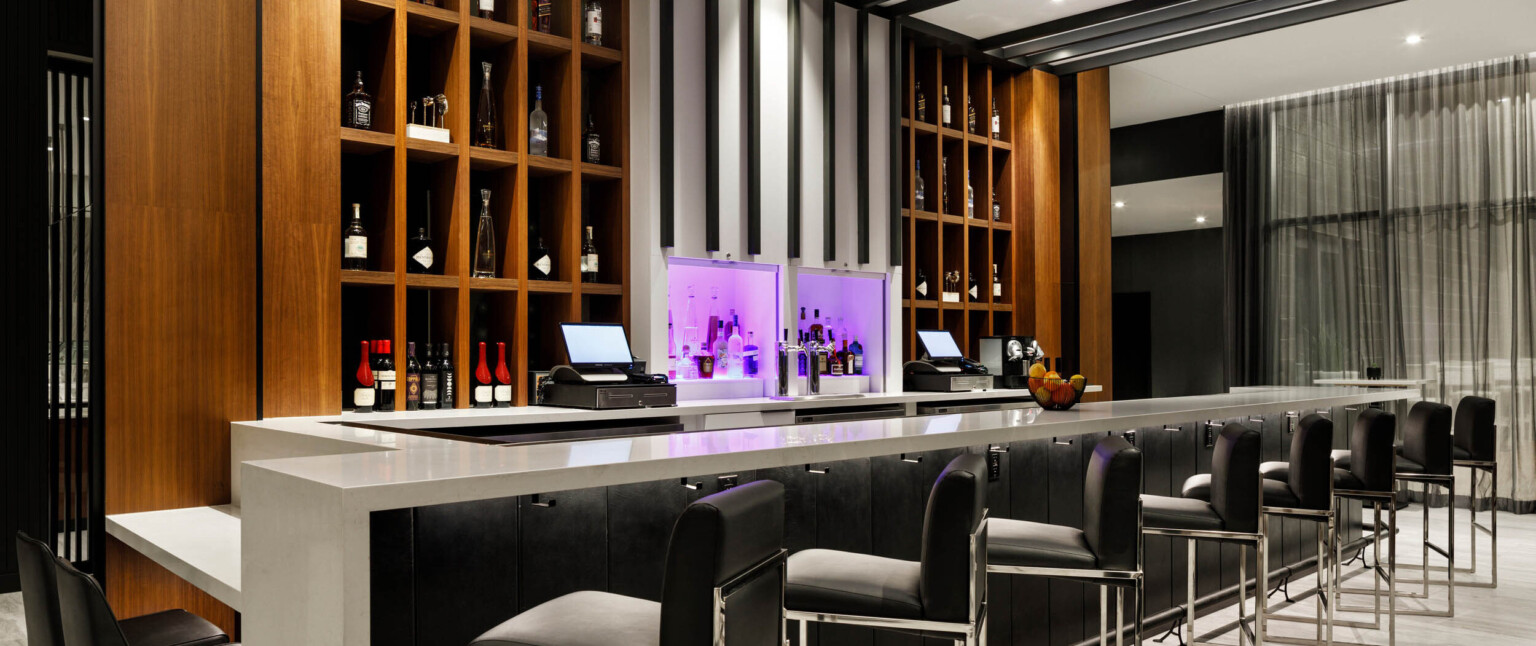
(649, 275)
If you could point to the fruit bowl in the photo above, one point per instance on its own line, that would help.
(1052, 392)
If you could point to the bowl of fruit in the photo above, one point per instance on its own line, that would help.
(1053, 392)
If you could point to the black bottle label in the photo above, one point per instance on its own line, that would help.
(362, 114)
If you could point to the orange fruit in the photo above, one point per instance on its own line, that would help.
(1036, 376)
(1042, 395)
(1079, 383)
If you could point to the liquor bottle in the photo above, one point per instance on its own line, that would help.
(836, 369)
(734, 350)
(921, 282)
(485, 112)
(997, 207)
(997, 283)
(920, 188)
(485, 244)
(543, 14)
(800, 341)
(714, 319)
(589, 259)
(447, 378)
(357, 110)
(856, 350)
(354, 242)
(944, 112)
(749, 355)
(376, 363)
(801, 328)
(541, 264)
(970, 196)
(970, 115)
(997, 121)
(842, 330)
(412, 378)
(944, 182)
(722, 350)
(592, 23)
(431, 390)
(922, 103)
(594, 149)
(503, 391)
(824, 351)
(974, 291)
(671, 338)
(488, 9)
(484, 391)
(538, 125)
(419, 250)
(386, 378)
(363, 394)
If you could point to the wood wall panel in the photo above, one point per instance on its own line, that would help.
(1095, 291)
(1041, 192)
(301, 311)
(180, 250)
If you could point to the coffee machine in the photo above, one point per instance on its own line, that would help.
(1008, 359)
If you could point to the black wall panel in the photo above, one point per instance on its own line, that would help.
(643, 514)
(465, 550)
(1167, 149)
(562, 548)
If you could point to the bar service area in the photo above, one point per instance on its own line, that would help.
(773, 323)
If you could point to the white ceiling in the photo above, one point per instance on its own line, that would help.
(983, 18)
(1167, 205)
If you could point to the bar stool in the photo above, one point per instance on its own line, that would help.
(1476, 447)
(1232, 515)
(1306, 493)
(84, 616)
(1369, 479)
(1427, 459)
(944, 595)
(1106, 552)
(726, 553)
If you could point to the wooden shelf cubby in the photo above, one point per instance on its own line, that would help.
(406, 50)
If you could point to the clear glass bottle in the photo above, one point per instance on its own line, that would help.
(485, 239)
(357, 110)
(970, 196)
(538, 125)
(592, 23)
(945, 111)
(920, 188)
(485, 113)
(354, 242)
(734, 348)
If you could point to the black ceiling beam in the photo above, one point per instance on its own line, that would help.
(1214, 35)
(1078, 21)
(1228, 13)
(913, 7)
(1194, 11)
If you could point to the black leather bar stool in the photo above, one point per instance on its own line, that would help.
(1307, 494)
(1475, 448)
(942, 596)
(1427, 459)
(65, 607)
(723, 586)
(1106, 552)
(1369, 479)
(1232, 515)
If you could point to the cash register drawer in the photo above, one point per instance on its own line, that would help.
(633, 398)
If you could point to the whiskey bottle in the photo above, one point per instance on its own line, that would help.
(484, 391)
(970, 196)
(503, 392)
(541, 264)
(412, 378)
(594, 146)
(944, 112)
(922, 103)
(920, 281)
(488, 9)
(485, 113)
(447, 379)
(592, 23)
(538, 125)
(970, 115)
(997, 207)
(386, 378)
(357, 110)
(419, 249)
(431, 380)
(920, 188)
(588, 259)
(543, 14)
(363, 394)
(485, 234)
(997, 121)
(997, 284)
(354, 242)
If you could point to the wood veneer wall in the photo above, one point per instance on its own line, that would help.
(1041, 195)
(1095, 291)
(180, 252)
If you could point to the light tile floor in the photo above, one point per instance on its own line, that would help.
(13, 629)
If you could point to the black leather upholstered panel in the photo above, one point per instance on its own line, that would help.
(1023, 543)
(855, 584)
(1371, 458)
(1111, 503)
(172, 628)
(563, 548)
(1279, 494)
(1311, 476)
(83, 608)
(1235, 478)
(1475, 431)
(1197, 487)
(715, 540)
(1277, 471)
(955, 509)
(581, 619)
(1427, 437)
(39, 592)
(1181, 513)
(392, 583)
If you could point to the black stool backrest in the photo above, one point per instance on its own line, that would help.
(717, 538)
(1235, 479)
(88, 620)
(1372, 458)
(1312, 462)
(1474, 427)
(1427, 437)
(39, 592)
(1112, 503)
(956, 507)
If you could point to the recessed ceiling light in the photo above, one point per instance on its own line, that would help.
(1199, 219)
(1413, 39)
(1119, 205)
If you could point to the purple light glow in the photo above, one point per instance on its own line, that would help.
(751, 290)
(860, 302)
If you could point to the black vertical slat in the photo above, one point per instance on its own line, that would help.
(55, 401)
(861, 137)
(754, 127)
(712, 125)
(95, 408)
(66, 318)
(829, 130)
(795, 54)
(897, 94)
(668, 121)
(82, 292)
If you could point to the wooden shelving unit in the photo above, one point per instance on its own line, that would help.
(940, 239)
(407, 50)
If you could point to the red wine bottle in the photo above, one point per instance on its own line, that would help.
(447, 378)
(412, 378)
(503, 394)
(386, 378)
(483, 389)
(362, 396)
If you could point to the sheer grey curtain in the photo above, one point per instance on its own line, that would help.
(1390, 224)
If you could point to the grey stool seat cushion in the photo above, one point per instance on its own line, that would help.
(830, 581)
(1023, 543)
(1279, 494)
(1281, 472)
(1341, 458)
(1198, 487)
(1278, 471)
(1404, 465)
(172, 628)
(1179, 513)
(586, 618)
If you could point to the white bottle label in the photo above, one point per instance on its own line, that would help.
(386, 379)
(594, 23)
(356, 247)
(503, 393)
(590, 261)
(946, 115)
(542, 264)
(973, 293)
(488, 5)
(922, 288)
(997, 125)
(424, 257)
(583, 263)
(362, 397)
(997, 290)
(482, 394)
(858, 364)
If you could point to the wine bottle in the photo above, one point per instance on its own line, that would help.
(997, 121)
(386, 378)
(447, 379)
(922, 104)
(920, 188)
(363, 394)
(484, 391)
(921, 282)
(592, 23)
(538, 125)
(485, 234)
(430, 380)
(970, 196)
(997, 284)
(354, 242)
(419, 249)
(543, 14)
(997, 207)
(594, 148)
(944, 110)
(485, 112)
(412, 378)
(488, 9)
(503, 391)
(357, 110)
(541, 264)
(589, 259)
(970, 115)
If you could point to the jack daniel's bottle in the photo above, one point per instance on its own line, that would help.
(357, 110)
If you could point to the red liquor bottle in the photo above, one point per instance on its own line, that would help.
(362, 396)
(483, 389)
(503, 393)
